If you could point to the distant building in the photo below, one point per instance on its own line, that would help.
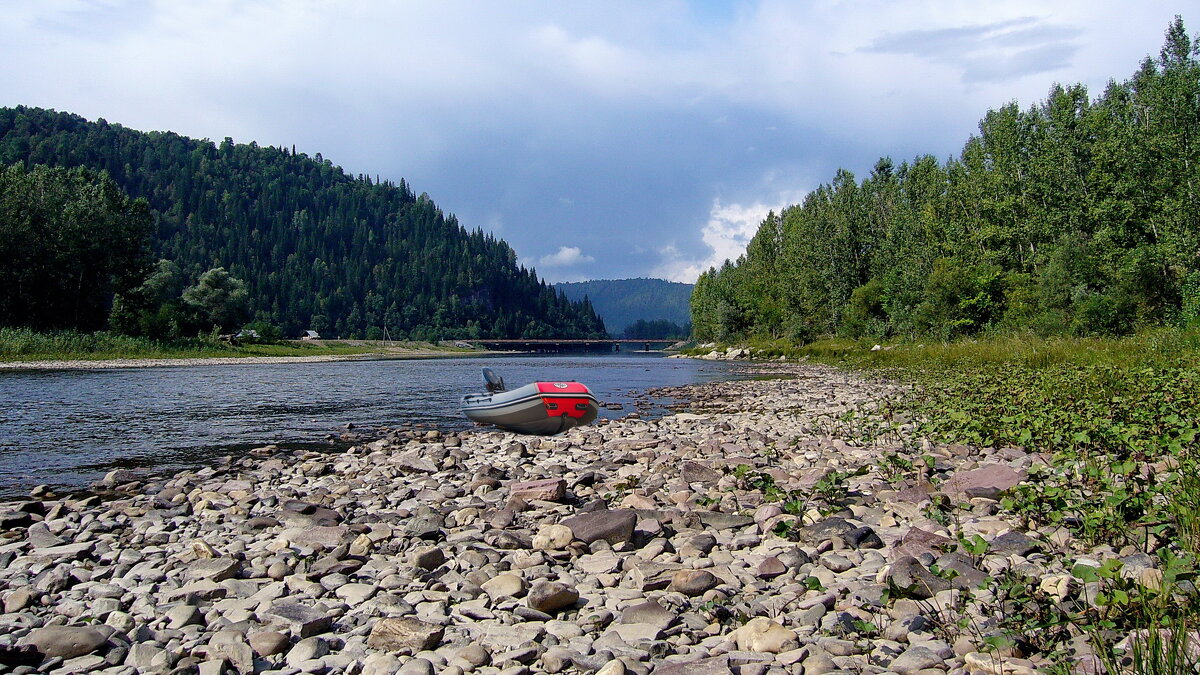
(310, 335)
(247, 333)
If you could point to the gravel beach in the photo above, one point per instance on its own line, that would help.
(630, 546)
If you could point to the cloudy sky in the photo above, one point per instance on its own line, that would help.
(601, 140)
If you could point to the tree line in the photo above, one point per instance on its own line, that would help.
(1073, 216)
(299, 244)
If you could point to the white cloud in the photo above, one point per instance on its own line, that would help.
(729, 229)
(495, 109)
(565, 256)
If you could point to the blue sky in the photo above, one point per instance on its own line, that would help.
(601, 140)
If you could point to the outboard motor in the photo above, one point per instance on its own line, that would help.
(494, 382)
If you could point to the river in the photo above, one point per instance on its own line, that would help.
(68, 428)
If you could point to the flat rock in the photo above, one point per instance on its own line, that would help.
(318, 536)
(551, 596)
(614, 526)
(405, 634)
(214, 569)
(823, 531)
(268, 642)
(66, 642)
(1012, 543)
(650, 612)
(696, 472)
(761, 634)
(545, 489)
(987, 480)
(915, 659)
(302, 620)
(911, 577)
(552, 538)
(715, 665)
(692, 582)
(917, 541)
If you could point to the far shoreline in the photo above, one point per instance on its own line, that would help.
(153, 362)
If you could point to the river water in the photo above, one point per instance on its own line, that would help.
(68, 428)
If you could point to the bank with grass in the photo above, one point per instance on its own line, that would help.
(1113, 425)
(23, 348)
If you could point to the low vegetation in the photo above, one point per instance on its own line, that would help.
(1116, 422)
(20, 344)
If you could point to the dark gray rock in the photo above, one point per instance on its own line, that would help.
(863, 537)
(302, 620)
(614, 526)
(551, 596)
(827, 529)
(66, 642)
(1012, 543)
(911, 578)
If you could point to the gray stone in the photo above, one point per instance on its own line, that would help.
(19, 599)
(1012, 543)
(39, 536)
(695, 472)
(317, 536)
(214, 569)
(987, 480)
(693, 582)
(302, 620)
(715, 665)
(416, 667)
(405, 634)
(428, 557)
(915, 659)
(913, 579)
(546, 489)
(307, 649)
(268, 642)
(381, 663)
(551, 596)
(231, 645)
(650, 612)
(148, 658)
(827, 529)
(66, 642)
(184, 615)
(614, 526)
(917, 541)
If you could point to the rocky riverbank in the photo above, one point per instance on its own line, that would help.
(676, 545)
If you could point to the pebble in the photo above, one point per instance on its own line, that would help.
(632, 546)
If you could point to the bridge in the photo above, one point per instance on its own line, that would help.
(564, 345)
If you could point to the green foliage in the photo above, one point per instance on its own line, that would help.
(1075, 216)
(659, 329)
(70, 240)
(317, 248)
(624, 302)
(218, 299)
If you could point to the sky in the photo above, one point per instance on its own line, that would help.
(602, 140)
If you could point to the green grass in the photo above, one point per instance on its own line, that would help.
(1118, 422)
(1161, 346)
(19, 344)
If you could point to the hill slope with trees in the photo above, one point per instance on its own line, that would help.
(623, 302)
(1076, 215)
(315, 247)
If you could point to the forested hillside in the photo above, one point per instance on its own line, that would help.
(316, 248)
(1076, 215)
(622, 302)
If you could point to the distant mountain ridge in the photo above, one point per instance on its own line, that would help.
(622, 302)
(317, 247)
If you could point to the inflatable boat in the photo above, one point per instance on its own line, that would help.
(542, 408)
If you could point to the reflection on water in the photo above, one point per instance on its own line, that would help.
(66, 428)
